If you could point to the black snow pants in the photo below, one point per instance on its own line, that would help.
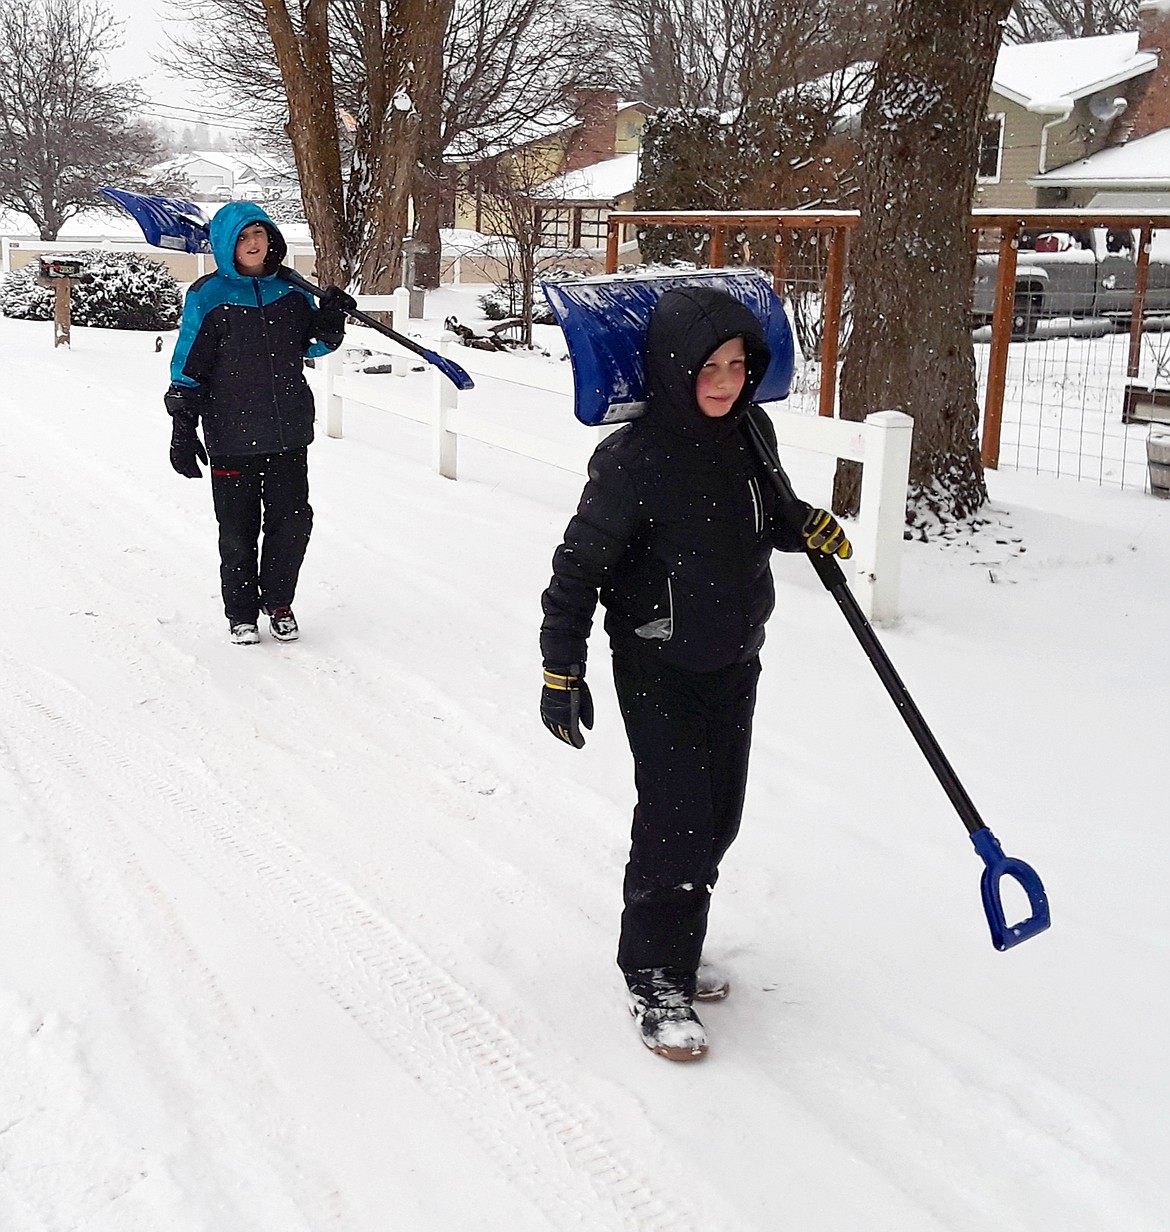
(690, 734)
(266, 493)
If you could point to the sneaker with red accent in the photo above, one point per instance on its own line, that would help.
(282, 624)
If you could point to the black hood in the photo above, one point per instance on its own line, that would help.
(687, 325)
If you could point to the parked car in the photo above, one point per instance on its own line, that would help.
(1089, 273)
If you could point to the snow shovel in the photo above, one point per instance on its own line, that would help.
(996, 864)
(168, 222)
(611, 322)
(448, 367)
(604, 321)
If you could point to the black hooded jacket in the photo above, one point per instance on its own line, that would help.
(677, 523)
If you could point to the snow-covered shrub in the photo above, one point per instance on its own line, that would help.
(506, 300)
(124, 290)
(127, 291)
(21, 297)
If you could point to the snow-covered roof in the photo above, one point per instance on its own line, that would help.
(242, 165)
(1033, 74)
(1144, 163)
(604, 181)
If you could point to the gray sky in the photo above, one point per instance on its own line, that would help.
(145, 29)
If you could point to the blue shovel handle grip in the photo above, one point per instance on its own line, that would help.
(998, 866)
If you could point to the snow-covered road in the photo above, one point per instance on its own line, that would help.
(320, 936)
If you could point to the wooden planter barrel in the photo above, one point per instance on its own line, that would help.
(1158, 457)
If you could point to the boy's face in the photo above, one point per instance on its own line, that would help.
(720, 380)
(252, 249)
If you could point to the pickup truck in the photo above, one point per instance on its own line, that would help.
(1089, 273)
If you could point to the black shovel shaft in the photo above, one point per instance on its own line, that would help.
(447, 367)
(834, 582)
(290, 275)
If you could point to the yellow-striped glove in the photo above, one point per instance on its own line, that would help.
(822, 533)
(566, 705)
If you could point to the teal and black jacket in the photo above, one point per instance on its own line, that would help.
(242, 346)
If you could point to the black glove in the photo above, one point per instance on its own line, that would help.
(822, 533)
(565, 704)
(186, 446)
(183, 401)
(332, 309)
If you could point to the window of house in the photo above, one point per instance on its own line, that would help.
(556, 228)
(990, 148)
(594, 228)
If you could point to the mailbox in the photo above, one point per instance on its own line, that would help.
(53, 268)
(61, 273)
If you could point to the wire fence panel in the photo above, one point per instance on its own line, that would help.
(1065, 398)
(1066, 386)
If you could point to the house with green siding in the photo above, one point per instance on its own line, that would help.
(1057, 103)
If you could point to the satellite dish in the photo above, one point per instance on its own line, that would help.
(1105, 108)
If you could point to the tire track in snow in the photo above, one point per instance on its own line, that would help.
(548, 1142)
(179, 1059)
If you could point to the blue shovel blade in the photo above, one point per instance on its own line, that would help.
(604, 320)
(998, 866)
(166, 222)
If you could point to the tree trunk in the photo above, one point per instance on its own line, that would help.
(911, 261)
(357, 233)
(399, 59)
(430, 181)
(307, 72)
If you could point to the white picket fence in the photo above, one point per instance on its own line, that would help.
(881, 442)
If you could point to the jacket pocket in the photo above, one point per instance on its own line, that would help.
(662, 627)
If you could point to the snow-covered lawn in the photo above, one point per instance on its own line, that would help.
(320, 936)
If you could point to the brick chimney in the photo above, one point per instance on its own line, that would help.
(1152, 111)
(596, 139)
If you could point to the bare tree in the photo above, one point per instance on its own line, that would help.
(683, 53)
(64, 131)
(911, 260)
(503, 63)
(485, 72)
(340, 77)
(721, 53)
(1037, 21)
(359, 223)
(512, 211)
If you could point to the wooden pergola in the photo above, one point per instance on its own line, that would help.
(840, 222)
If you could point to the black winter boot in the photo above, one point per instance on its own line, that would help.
(660, 1000)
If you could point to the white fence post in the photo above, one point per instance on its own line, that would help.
(401, 312)
(330, 366)
(881, 522)
(444, 443)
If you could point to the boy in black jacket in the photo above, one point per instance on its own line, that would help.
(239, 367)
(675, 529)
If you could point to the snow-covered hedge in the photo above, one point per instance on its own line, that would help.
(507, 300)
(23, 298)
(125, 291)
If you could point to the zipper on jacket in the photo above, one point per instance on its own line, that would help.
(271, 366)
(757, 504)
